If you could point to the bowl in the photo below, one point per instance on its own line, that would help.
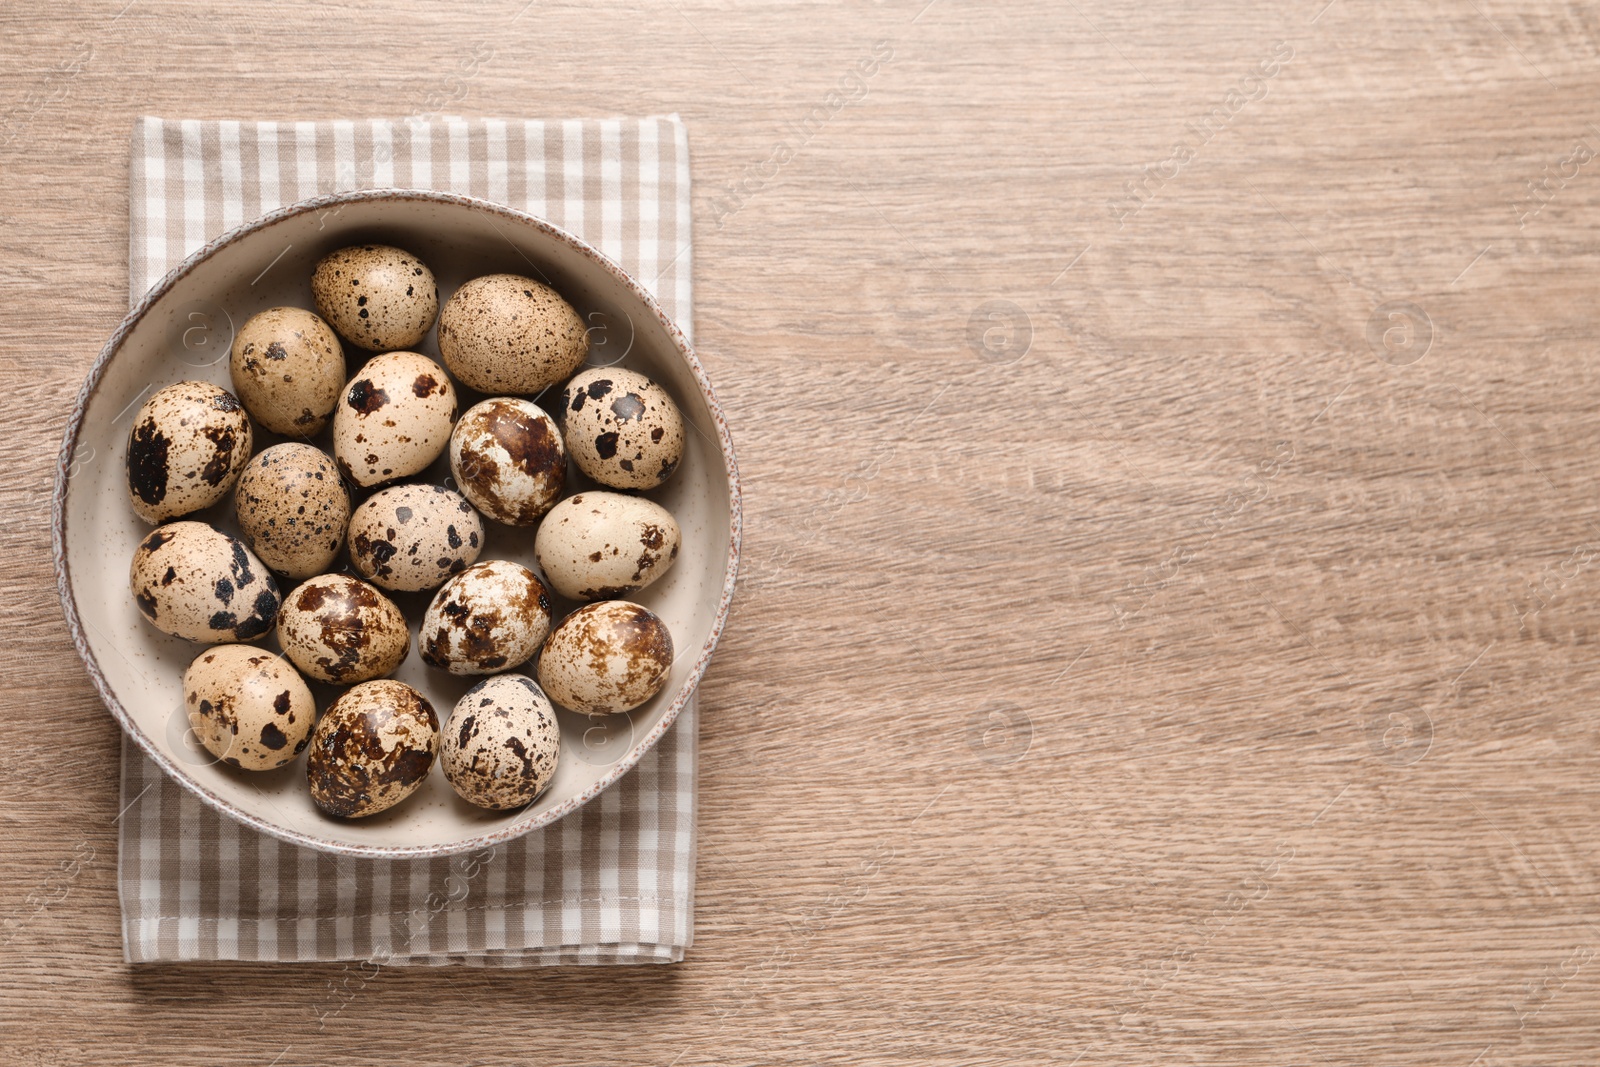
(182, 329)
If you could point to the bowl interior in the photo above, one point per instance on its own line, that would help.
(185, 333)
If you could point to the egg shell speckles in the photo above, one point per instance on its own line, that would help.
(606, 657)
(293, 509)
(507, 457)
(600, 545)
(248, 707)
(378, 297)
(287, 366)
(622, 429)
(394, 419)
(339, 629)
(503, 333)
(414, 537)
(188, 444)
(502, 743)
(491, 616)
(372, 748)
(194, 582)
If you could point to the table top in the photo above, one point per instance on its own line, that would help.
(1169, 458)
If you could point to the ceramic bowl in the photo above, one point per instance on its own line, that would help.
(181, 330)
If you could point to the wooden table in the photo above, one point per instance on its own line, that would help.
(1169, 439)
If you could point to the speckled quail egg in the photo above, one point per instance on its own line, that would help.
(503, 333)
(394, 419)
(501, 744)
(378, 297)
(507, 457)
(606, 657)
(372, 749)
(600, 545)
(248, 706)
(622, 429)
(339, 629)
(194, 582)
(491, 616)
(293, 509)
(287, 367)
(189, 442)
(414, 537)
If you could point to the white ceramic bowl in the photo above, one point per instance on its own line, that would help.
(181, 330)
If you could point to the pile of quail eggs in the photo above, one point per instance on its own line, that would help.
(286, 577)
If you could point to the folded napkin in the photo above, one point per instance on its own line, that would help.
(614, 881)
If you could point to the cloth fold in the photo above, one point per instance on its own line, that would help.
(614, 881)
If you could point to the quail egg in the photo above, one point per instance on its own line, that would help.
(606, 657)
(248, 707)
(622, 429)
(188, 444)
(287, 367)
(394, 419)
(501, 744)
(503, 333)
(507, 457)
(194, 582)
(339, 629)
(378, 297)
(372, 749)
(293, 509)
(491, 616)
(599, 545)
(413, 537)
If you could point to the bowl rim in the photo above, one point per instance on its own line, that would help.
(138, 312)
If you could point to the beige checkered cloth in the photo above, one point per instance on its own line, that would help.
(611, 883)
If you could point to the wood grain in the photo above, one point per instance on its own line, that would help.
(1175, 679)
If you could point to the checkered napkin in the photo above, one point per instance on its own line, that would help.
(614, 881)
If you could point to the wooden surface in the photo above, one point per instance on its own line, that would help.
(1145, 668)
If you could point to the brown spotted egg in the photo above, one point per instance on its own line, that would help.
(372, 749)
(414, 537)
(394, 419)
(287, 367)
(606, 657)
(502, 742)
(339, 629)
(621, 428)
(491, 616)
(194, 582)
(378, 297)
(506, 455)
(503, 333)
(599, 545)
(248, 707)
(293, 509)
(188, 444)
